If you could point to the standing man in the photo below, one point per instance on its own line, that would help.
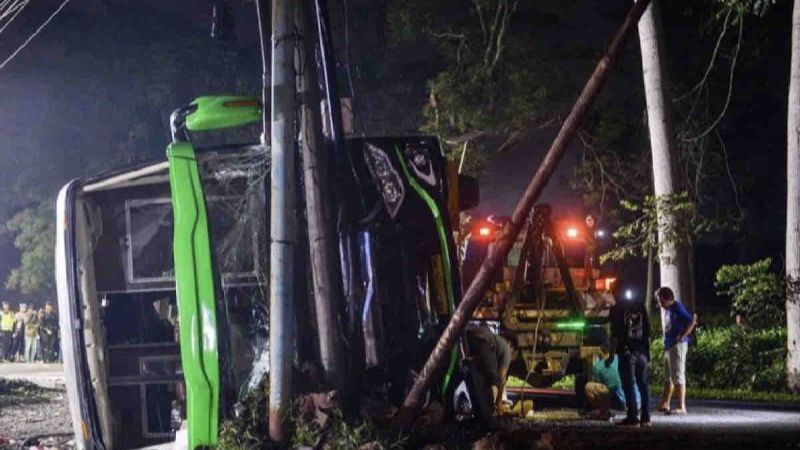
(630, 328)
(39, 352)
(18, 339)
(6, 331)
(31, 336)
(678, 327)
(48, 333)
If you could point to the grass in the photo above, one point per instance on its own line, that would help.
(568, 383)
(743, 396)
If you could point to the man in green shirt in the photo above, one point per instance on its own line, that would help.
(605, 393)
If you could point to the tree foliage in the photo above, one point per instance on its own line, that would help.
(638, 236)
(34, 231)
(757, 293)
(745, 7)
(492, 88)
(757, 357)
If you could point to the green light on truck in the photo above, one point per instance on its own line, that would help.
(576, 325)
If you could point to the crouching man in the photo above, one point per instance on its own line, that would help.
(493, 355)
(605, 392)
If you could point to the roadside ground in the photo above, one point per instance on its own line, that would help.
(33, 407)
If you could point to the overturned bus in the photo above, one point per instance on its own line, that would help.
(162, 275)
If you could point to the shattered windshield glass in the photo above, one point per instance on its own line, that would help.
(238, 210)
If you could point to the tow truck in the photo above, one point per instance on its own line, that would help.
(550, 297)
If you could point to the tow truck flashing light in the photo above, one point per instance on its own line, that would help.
(572, 233)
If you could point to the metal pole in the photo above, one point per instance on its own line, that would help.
(321, 228)
(282, 207)
(261, 13)
(481, 281)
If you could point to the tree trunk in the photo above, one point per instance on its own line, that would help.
(672, 257)
(793, 212)
(321, 224)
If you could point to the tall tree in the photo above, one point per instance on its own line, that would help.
(793, 211)
(673, 259)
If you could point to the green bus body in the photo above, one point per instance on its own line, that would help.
(196, 295)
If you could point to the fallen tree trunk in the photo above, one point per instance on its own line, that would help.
(481, 281)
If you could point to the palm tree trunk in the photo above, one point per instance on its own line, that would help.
(672, 261)
(793, 212)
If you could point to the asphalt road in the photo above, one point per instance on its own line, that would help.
(709, 424)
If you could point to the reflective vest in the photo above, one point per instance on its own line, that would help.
(7, 321)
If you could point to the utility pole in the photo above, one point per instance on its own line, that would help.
(321, 227)
(477, 288)
(282, 222)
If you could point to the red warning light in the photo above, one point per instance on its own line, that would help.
(484, 231)
(572, 232)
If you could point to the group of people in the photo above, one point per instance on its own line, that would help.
(621, 378)
(28, 335)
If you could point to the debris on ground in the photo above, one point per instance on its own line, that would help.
(32, 417)
(493, 441)
(545, 442)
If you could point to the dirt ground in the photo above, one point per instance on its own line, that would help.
(33, 417)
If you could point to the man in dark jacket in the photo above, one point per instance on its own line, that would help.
(630, 329)
(48, 334)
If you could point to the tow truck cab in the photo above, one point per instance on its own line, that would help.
(549, 295)
(162, 275)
